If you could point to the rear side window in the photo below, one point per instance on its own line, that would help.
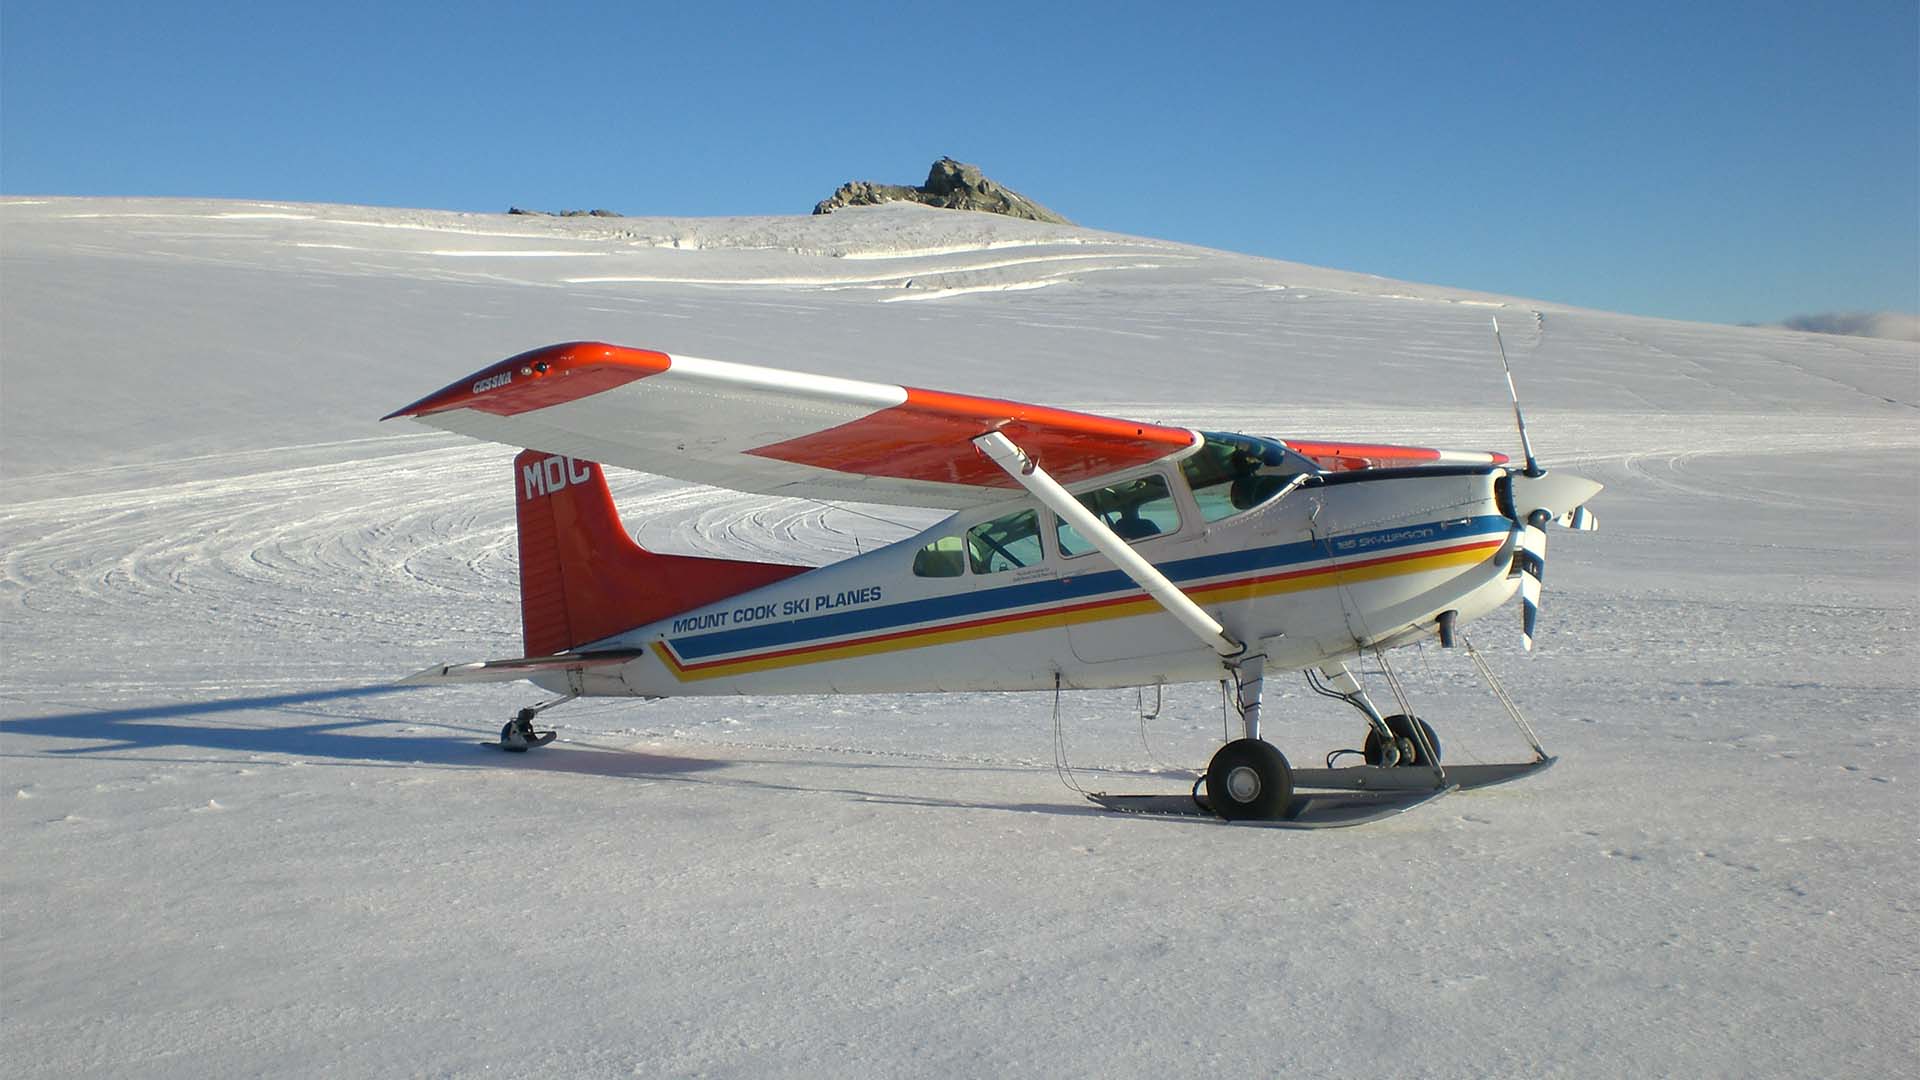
(1135, 510)
(942, 558)
(1005, 543)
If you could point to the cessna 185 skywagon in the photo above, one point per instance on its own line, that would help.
(1083, 552)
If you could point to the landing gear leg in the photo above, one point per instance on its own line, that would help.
(1249, 778)
(1248, 681)
(519, 734)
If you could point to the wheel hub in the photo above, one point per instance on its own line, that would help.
(1243, 784)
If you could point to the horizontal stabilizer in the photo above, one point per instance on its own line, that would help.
(519, 667)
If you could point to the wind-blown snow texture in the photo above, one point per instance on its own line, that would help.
(233, 848)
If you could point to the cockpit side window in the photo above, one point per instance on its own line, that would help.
(1231, 473)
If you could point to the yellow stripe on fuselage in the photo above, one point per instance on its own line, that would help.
(1229, 592)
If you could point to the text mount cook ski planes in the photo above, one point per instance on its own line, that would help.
(1083, 552)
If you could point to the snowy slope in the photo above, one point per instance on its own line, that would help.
(233, 848)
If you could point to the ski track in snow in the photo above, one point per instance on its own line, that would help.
(233, 845)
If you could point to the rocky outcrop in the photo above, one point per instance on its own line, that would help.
(1893, 325)
(563, 213)
(951, 184)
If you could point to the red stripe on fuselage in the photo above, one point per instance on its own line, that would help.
(930, 435)
(1197, 592)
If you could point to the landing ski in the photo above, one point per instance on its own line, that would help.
(1418, 778)
(1308, 810)
(540, 738)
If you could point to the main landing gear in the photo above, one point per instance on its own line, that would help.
(520, 736)
(1249, 778)
(1251, 782)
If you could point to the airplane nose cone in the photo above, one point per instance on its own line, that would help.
(1557, 493)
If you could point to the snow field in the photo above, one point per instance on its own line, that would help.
(234, 848)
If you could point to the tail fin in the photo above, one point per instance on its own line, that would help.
(582, 578)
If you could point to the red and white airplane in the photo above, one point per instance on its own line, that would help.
(1083, 552)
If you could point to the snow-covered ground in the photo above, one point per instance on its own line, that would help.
(232, 847)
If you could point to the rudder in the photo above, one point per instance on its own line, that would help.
(582, 578)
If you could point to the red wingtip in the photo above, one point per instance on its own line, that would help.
(541, 377)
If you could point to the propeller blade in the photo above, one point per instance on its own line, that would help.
(1580, 519)
(1526, 448)
(1533, 574)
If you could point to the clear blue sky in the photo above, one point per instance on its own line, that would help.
(1724, 162)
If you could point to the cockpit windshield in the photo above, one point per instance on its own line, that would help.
(1231, 472)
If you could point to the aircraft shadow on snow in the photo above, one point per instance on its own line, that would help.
(150, 727)
(125, 732)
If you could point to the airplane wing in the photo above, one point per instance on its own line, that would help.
(777, 432)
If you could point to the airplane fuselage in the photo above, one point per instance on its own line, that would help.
(990, 599)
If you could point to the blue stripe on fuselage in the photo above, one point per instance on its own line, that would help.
(1072, 587)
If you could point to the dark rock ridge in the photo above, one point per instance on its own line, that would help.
(1893, 325)
(951, 184)
(563, 213)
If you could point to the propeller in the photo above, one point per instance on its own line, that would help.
(1533, 573)
(1537, 499)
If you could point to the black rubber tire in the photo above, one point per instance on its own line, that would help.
(1259, 772)
(1402, 727)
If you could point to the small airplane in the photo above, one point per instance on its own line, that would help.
(1083, 552)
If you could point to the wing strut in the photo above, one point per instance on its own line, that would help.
(1055, 498)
